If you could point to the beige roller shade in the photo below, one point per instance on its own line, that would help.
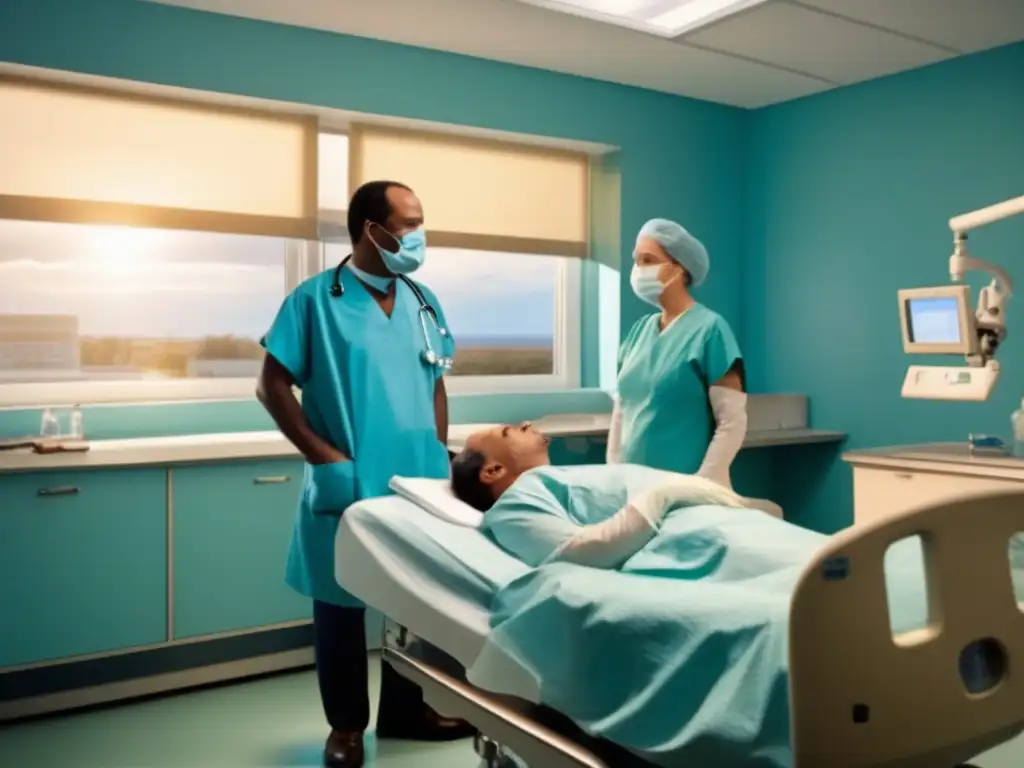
(482, 194)
(93, 156)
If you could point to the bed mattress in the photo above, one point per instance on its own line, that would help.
(433, 577)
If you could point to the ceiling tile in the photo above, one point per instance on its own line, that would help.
(518, 33)
(818, 44)
(964, 25)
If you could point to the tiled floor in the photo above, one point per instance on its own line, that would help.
(271, 723)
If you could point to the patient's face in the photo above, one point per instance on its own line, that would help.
(509, 450)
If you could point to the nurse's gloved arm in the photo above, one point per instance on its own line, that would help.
(274, 391)
(729, 406)
(614, 452)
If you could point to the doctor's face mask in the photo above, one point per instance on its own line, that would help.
(401, 241)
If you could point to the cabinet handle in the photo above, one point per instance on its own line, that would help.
(904, 476)
(67, 490)
(274, 480)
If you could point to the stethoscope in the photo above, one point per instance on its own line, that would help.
(428, 355)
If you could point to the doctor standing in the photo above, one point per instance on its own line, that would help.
(681, 404)
(372, 407)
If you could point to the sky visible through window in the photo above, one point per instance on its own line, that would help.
(207, 298)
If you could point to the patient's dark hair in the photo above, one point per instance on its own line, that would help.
(466, 483)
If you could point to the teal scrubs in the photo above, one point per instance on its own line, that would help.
(367, 392)
(663, 384)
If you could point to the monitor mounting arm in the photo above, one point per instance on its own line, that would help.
(992, 299)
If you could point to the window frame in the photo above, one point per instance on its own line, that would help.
(304, 259)
(567, 358)
(300, 260)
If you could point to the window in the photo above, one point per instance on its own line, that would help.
(114, 313)
(515, 317)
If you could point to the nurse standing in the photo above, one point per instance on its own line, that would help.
(372, 407)
(681, 404)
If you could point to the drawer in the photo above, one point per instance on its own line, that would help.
(83, 559)
(232, 525)
(882, 492)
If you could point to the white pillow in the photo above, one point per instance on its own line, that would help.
(436, 497)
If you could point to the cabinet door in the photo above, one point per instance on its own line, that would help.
(83, 563)
(232, 525)
(878, 493)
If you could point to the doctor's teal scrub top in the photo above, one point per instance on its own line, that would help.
(366, 390)
(663, 383)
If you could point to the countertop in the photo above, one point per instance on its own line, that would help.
(936, 455)
(189, 449)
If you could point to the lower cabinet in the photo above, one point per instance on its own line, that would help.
(231, 525)
(83, 563)
(880, 493)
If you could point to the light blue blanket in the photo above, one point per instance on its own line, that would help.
(681, 657)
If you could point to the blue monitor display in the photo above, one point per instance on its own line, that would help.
(934, 320)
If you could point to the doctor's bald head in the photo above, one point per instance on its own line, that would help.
(383, 211)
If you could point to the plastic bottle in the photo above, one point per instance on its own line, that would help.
(77, 428)
(1017, 424)
(50, 426)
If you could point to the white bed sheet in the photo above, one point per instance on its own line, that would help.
(434, 577)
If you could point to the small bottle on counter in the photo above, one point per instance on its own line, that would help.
(76, 427)
(1017, 425)
(50, 425)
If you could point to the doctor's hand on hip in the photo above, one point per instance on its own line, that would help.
(681, 401)
(275, 390)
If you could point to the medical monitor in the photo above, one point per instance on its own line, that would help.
(938, 321)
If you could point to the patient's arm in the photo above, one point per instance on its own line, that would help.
(611, 543)
(608, 544)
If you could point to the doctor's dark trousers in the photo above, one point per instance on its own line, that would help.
(339, 642)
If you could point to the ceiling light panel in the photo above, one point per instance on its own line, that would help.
(665, 18)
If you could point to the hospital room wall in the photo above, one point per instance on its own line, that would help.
(849, 195)
(679, 157)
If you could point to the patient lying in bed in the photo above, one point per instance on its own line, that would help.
(597, 515)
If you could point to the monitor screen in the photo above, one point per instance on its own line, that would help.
(934, 320)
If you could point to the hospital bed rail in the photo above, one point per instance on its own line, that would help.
(859, 695)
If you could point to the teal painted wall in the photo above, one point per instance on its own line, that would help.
(848, 198)
(679, 157)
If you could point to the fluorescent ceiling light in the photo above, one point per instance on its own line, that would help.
(667, 18)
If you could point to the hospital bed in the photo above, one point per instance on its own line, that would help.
(857, 695)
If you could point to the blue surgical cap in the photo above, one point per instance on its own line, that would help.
(680, 245)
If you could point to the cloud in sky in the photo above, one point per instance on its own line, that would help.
(186, 284)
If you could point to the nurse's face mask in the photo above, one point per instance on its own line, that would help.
(649, 281)
(412, 249)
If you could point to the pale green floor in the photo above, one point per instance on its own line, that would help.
(270, 723)
(275, 722)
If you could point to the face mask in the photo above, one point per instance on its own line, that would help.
(382, 284)
(646, 284)
(412, 250)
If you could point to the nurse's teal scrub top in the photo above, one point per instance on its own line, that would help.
(664, 376)
(365, 390)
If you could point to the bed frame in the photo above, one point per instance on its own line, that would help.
(858, 695)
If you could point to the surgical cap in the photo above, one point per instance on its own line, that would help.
(680, 245)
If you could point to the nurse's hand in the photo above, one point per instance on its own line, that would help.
(330, 455)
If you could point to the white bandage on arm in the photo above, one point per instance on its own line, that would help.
(608, 544)
(611, 543)
(614, 452)
(730, 409)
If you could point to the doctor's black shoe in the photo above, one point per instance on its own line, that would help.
(344, 750)
(430, 727)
